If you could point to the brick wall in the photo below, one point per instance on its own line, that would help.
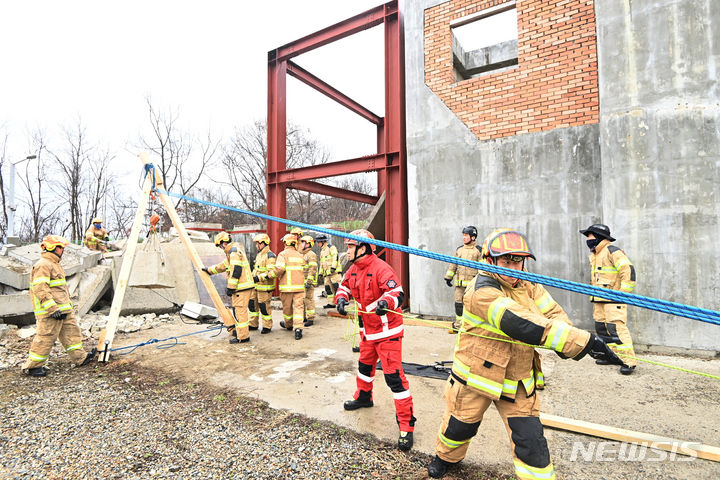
(554, 85)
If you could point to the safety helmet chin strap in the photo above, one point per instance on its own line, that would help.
(365, 252)
(522, 269)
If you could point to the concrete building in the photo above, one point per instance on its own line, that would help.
(601, 111)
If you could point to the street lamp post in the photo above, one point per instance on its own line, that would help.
(12, 207)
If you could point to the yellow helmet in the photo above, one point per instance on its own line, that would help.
(262, 238)
(51, 242)
(97, 220)
(308, 239)
(222, 237)
(296, 231)
(290, 239)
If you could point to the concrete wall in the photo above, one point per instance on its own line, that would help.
(650, 170)
(660, 143)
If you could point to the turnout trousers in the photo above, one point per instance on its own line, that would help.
(309, 303)
(464, 410)
(389, 351)
(240, 301)
(611, 325)
(260, 309)
(49, 330)
(293, 309)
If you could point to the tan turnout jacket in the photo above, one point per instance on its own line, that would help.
(611, 268)
(461, 274)
(48, 287)
(523, 313)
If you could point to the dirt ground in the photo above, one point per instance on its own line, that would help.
(315, 375)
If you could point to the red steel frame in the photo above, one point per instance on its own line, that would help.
(390, 160)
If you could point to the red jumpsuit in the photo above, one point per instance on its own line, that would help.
(369, 280)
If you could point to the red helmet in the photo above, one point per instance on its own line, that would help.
(505, 241)
(360, 233)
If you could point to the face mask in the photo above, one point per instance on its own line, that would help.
(97, 225)
(592, 243)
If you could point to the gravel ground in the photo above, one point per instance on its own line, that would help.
(125, 421)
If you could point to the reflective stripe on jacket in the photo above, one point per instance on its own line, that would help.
(310, 269)
(523, 313)
(460, 273)
(369, 280)
(92, 235)
(235, 257)
(329, 260)
(289, 270)
(48, 287)
(611, 268)
(264, 262)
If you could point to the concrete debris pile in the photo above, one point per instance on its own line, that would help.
(92, 279)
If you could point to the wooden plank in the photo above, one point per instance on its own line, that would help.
(650, 440)
(125, 270)
(224, 313)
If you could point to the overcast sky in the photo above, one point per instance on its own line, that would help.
(98, 60)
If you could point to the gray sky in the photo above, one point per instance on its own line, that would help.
(99, 60)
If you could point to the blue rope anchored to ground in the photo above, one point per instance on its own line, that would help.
(167, 345)
(672, 308)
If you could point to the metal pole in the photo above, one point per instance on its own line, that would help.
(12, 207)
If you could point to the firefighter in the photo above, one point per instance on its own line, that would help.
(378, 293)
(330, 268)
(96, 236)
(611, 268)
(264, 261)
(310, 269)
(486, 371)
(288, 270)
(297, 231)
(54, 313)
(461, 274)
(240, 285)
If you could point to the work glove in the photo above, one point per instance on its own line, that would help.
(204, 269)
(229, 292)
(256, 279)
(382, 308)
(57, 315)
(449, 282)
(341, 304)
(600, 351)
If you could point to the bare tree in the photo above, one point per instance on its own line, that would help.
(174, 151)
(121, 212)
(42, 218)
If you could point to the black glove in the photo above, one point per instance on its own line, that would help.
(229, 292)
(256, 279)
(382, 308)
(57, 315)
(449, 282)
(204, 269)
(341, 304)
(600, 350)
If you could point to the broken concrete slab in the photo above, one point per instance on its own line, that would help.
(74, 259)
(15, 273)
(26, 332)
(92, 285)
(198, 311)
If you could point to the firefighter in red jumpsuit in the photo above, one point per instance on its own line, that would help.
(377, 290)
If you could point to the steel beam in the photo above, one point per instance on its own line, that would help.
(369, 163)
(276, 148)
(330, 191)
(314, 82)
(358, 23)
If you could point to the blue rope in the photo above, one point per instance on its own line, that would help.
(167, 345)
(672, 308)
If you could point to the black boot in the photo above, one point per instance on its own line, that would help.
(90, 357)
(438, 467)
(626, 369)
(252, 328)
(265, 330)
(602, 361)
(282, 324)
(308, 323)
(233, 337)
(405, 441)
(329, 306)
(364, 400)
(245, 340)
(298, 334)
(37, 372)
(356, 349)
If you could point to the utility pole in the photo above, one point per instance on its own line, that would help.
(12, 206)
